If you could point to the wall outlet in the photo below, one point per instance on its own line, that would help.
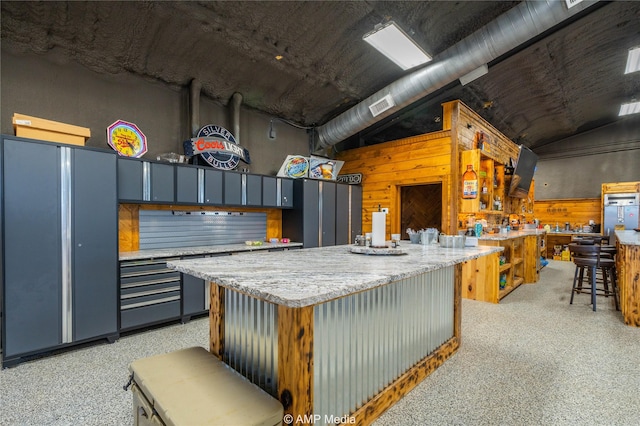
(385, 210)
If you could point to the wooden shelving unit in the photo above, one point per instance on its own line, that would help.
(513, 269)
(490, 176)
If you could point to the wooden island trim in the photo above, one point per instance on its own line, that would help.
(295, 357)
(628, 269)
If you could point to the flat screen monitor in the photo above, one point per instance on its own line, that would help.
(523, 173)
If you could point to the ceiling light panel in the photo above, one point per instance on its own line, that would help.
(633, 61)
(629, 108)
(396, 45)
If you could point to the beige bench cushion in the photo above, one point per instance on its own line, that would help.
(193, 387)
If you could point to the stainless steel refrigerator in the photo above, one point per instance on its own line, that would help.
(621, 210)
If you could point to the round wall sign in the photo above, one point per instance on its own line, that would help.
(217, 159)
(126, 139)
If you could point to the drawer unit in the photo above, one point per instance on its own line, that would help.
(149, 293)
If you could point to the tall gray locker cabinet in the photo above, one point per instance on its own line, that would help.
(60, 249)
(324, 213)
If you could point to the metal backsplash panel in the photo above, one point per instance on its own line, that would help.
(169, 229)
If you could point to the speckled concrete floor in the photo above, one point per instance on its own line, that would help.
(533, 359)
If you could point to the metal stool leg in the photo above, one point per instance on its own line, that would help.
(575, 280)
(592, 269)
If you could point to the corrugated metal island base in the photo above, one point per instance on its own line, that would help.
(335, 336)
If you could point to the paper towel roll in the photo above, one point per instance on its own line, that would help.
(379, 222)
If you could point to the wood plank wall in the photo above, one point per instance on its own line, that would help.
(386, 167)
(576, 211)
(420, 160)
(129, 221)
(466, 123)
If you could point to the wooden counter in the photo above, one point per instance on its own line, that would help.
(332, 333)
(521, 253)
(628, 269)
(563, 238)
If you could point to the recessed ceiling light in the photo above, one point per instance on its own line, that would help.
(396, 45)
(629, 108)
(279, 57)
(633, 60)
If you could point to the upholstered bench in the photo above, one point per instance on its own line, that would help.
(193, 387)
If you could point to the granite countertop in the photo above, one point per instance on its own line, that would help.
(200, 250)
(501, 236)
(628, 238)
(308, 277)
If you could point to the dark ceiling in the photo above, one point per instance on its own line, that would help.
(568, 81)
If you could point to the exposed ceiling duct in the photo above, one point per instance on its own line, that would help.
(236, 102)
(510, 30)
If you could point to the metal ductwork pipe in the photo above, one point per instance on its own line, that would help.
(194, 106)
(511, 29)
(236, 101)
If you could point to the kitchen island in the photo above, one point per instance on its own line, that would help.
(331, 333)
(628, 269)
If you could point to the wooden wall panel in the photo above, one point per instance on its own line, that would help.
(129, 221)
(420, 160)
(576, 211)
(386, 167)
(468, 123)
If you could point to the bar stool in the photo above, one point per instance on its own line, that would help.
(587, 257)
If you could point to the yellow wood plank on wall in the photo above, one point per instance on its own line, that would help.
(388, 166)
(576, 211)
(420, 160)
(468, 123)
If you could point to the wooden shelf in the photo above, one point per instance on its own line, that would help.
(508, 289)
(517, 261)
(504, 267)
(517, 281)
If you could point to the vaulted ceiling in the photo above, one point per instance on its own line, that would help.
(306, 62)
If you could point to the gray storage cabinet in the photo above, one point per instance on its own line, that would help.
(302, 222)
(60, 252)
(162, 183)
(286, 193)
(232, 188)
(149, 293)
(355, 200)
(186, 185)
(130, 180)
(145, 181)
(213, 186)
(195, 292)
(328, 213)
(253, 190)
(342, 217)
(324, 213)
